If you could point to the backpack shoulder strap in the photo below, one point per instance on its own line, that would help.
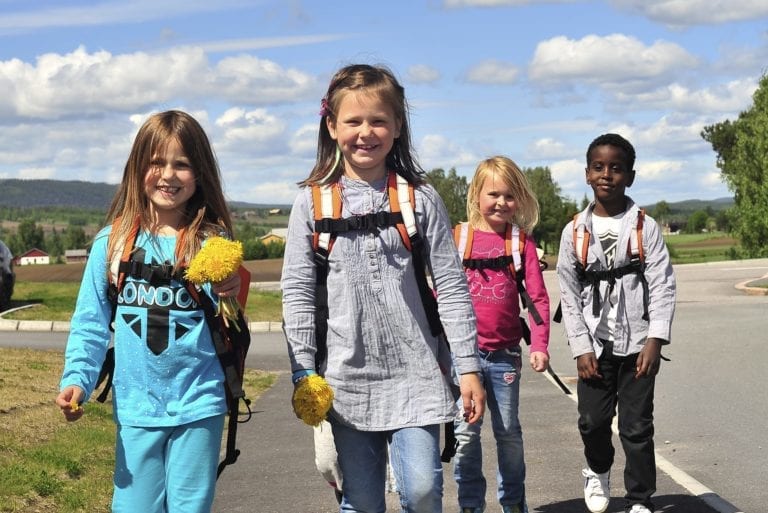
(514, 245)
(326, 203)
(403, 200)
(462, 236)
(636, 240)
(580, 240)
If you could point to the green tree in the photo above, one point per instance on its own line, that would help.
(697, 222)
(554, 210)
(74, 237)
(661, 212)
(742, 156)
(30, 235)
(452, 188)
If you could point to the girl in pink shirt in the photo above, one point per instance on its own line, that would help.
(502, 212)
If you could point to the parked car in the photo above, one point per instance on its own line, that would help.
(7, 277)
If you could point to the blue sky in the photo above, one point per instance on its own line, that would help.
(533, 80)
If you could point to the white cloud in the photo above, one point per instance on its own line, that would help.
(659, 170)
(82, 83)
(607, 61)
(422, 74)
(683, 13)
(304, 142)
(255, 130)
(546, 148)
(492, 72)
(728, 97)
(437, 151)
(36, 173)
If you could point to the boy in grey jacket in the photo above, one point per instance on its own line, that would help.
(617, 293)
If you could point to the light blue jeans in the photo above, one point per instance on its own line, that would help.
(500, 374)
(415, 459)
(167, 469)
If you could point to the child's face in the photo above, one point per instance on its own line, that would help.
(365, 129)
(608, 175)
(169, 182)
(497, 204)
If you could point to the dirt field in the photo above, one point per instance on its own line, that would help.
(261, 270)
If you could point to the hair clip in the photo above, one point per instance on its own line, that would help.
(324, 110)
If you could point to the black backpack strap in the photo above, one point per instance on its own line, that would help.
(231, 362)
(106, 373)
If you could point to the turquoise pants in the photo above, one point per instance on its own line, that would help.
(167, 469)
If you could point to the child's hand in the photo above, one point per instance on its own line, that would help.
(70, 400)
(539, 361)
(649, 359)
(473, 397)
(586, 365)
(228, 287)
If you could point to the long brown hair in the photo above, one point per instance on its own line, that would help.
(206, 213)
(380, 82)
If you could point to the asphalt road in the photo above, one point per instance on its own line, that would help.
(711, 402)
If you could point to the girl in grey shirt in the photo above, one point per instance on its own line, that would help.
(389, 374)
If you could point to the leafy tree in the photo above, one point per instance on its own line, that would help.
(30, 235)
(661, 211)
(55, 244)
(554, 210)
(452, 188)
(74, 237)
(697, 222)
(742, 156)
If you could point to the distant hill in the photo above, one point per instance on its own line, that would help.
(55, 193)
(74, 194)
(690, 206)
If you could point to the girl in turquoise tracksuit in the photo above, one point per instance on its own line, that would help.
(168, 390)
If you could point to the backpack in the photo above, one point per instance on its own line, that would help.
(636, 265)
(231, 342)
(327, 207)
(514, 248)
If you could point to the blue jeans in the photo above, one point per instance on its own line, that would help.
(500, 374)
(414, 454)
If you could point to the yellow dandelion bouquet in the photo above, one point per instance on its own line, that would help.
(312, 399)
(218, 259)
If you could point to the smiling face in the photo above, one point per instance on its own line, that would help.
(365, 128)
(609, 175)
(169, 183)
(497, 204)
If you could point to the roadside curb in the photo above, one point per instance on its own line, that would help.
(751, 288)
(64, 326)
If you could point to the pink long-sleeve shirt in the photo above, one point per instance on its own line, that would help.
(496, 299)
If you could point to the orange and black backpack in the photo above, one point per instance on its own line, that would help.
(513, 258)
(636, 252)
(327, 208)
(231, 340)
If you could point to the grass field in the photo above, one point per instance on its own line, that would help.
(47, 464)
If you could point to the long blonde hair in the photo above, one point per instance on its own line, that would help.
(205, 213)
(527, 206)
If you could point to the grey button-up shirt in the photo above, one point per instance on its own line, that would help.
(386, 369)
(630, 330)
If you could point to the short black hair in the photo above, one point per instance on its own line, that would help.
(619, 142)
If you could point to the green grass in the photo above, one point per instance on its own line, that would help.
(55, 301)
(702, 247)
(46, 463)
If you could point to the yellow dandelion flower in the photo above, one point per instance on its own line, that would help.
(218, 259)
(312, 399)
(74, 406)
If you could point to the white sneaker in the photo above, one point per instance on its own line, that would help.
(597, 490)
(639, 508)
